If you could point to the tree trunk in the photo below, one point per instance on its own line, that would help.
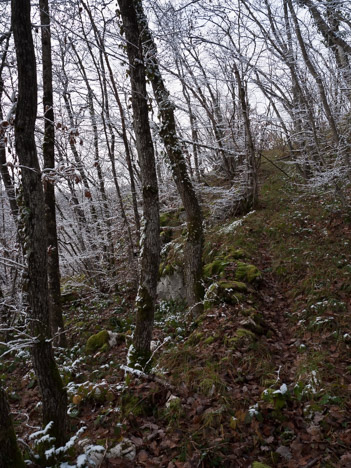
(150, 239)
(251, 191)
(53, 394)
(10, 455)
(56, 319)
(6, 178)
(194, 243)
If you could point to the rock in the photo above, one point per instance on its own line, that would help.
(98, 342)
(236, 253)
(125, 449)
(215, 268)
(171, 287)
(284, 452)
(115, 338)
(70, 297)
(229, 292)
(247, 273)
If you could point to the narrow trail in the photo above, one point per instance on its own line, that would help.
(276, 309)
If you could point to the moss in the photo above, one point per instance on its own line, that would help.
(132, 404)
(164, 218)
(247, 273)
(232, 342)
(168, 269)
(170, 218)
(243, 333)
(213, 417)
(235, 254)
(195, 338)
(232, 286)
(216, 267)
(259, 465)
(209, 340)
(230, 292)
(98, 342)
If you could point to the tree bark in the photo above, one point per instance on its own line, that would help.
(53, 394)
(150, 239)
(6, 177)
(10, 455)
(194, 243)
(56, 318)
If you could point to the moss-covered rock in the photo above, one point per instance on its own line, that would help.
(70, 298)
(165, 219)
(247, 273)
(172, 218)
(98, 342)
(235, 254)
(230, 292)
(215, 268)
(230, 286)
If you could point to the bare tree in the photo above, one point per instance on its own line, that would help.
(10, 454)
(194, 243)
(53, 393)
(150, 239)
(56, 319)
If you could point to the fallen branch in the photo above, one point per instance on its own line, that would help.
(149, 377)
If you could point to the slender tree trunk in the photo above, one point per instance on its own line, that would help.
(194, 243)
(54, 396)
(104, 54)
(193, 127)
(56, 318)
(108, 245)
(6, 178)
(150, 239)
(10, 455)
(251, 197)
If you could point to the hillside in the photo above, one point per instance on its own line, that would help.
(262, 378)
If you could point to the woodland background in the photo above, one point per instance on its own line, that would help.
(175, 229)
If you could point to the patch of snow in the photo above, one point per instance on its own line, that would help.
(253, 410)
(131, 351)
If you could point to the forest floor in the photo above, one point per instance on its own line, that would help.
(262, 378)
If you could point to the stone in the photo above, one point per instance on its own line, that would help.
(125, 449)
(229, 292)
(247, 273)
(98, 342)
(171, 287)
